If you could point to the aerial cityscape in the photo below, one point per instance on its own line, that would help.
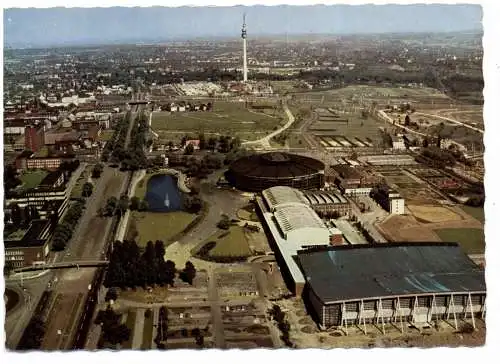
(242, 181)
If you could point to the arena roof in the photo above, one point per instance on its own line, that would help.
(293, 217)
(276, 165)
(283, 195)
(324, 197)
(346, 273)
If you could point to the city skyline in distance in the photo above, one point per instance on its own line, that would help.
(97, 26)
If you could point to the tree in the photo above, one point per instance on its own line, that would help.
(169, 269)
(87, 189)
(189, 149)
(143, 205)
(407, 119)
(212, 143)
(203, 143)
(134, 203)
(123, 205)
(188, 273)
(224, 222)
(111, 294)
(97, 170)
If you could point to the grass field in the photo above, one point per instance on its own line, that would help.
(106, 135)
(142, 186)
(471, 240)
(234, 244)
(476, 212)
(32, 179)
(227, 118)
(152, 226)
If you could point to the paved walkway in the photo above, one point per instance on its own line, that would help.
(264, 142)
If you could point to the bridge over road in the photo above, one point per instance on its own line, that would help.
(63, 265)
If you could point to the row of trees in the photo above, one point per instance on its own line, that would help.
(113, 331)
(129, 268)
(223, 143)
(283, 324)
(64, 230)
(33, 334)
(114, 148)
(134, 157)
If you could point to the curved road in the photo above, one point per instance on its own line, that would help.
(264, 142)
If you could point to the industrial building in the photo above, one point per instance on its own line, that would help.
(392, 284)
(353, 180)
(260, 171)
(292, 225)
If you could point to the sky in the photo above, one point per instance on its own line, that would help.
(77, 26)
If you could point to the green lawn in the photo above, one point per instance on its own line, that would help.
(227, 118)
(106, 135)
(33, 178)
(142, 186)
(152, 226)
(471, 240)
(476, 212)
(234, 244)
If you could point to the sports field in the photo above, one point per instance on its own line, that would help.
(227, 118)
(471, 240)
(152, 226)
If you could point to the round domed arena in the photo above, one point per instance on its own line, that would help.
(260, 171)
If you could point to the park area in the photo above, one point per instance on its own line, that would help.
(227, 118)
(471, 240)
(32, 179)
(152, 226)
(476, 212)
(232, 243)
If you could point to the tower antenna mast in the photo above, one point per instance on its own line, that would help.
(244, 37)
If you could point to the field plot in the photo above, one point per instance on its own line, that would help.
(228, 118)
(236, 282)
(181, 293)
(471, 240)
(414, 192)
(185, 324)
(246, 326)
(433, 214)
(476, 212)
(151, 226)
(335, 129)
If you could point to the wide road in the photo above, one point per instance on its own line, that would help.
(70, 287)
(89, 243)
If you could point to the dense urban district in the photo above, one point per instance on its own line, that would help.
(327, 193)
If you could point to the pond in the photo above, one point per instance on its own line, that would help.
(162, 194)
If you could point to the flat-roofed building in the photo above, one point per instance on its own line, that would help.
(32, 248)
(392, 284)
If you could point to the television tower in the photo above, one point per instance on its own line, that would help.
(244, 37)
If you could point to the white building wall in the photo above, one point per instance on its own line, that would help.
(308, 237)
(397, 206)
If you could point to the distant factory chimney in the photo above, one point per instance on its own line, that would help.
(244, 37)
